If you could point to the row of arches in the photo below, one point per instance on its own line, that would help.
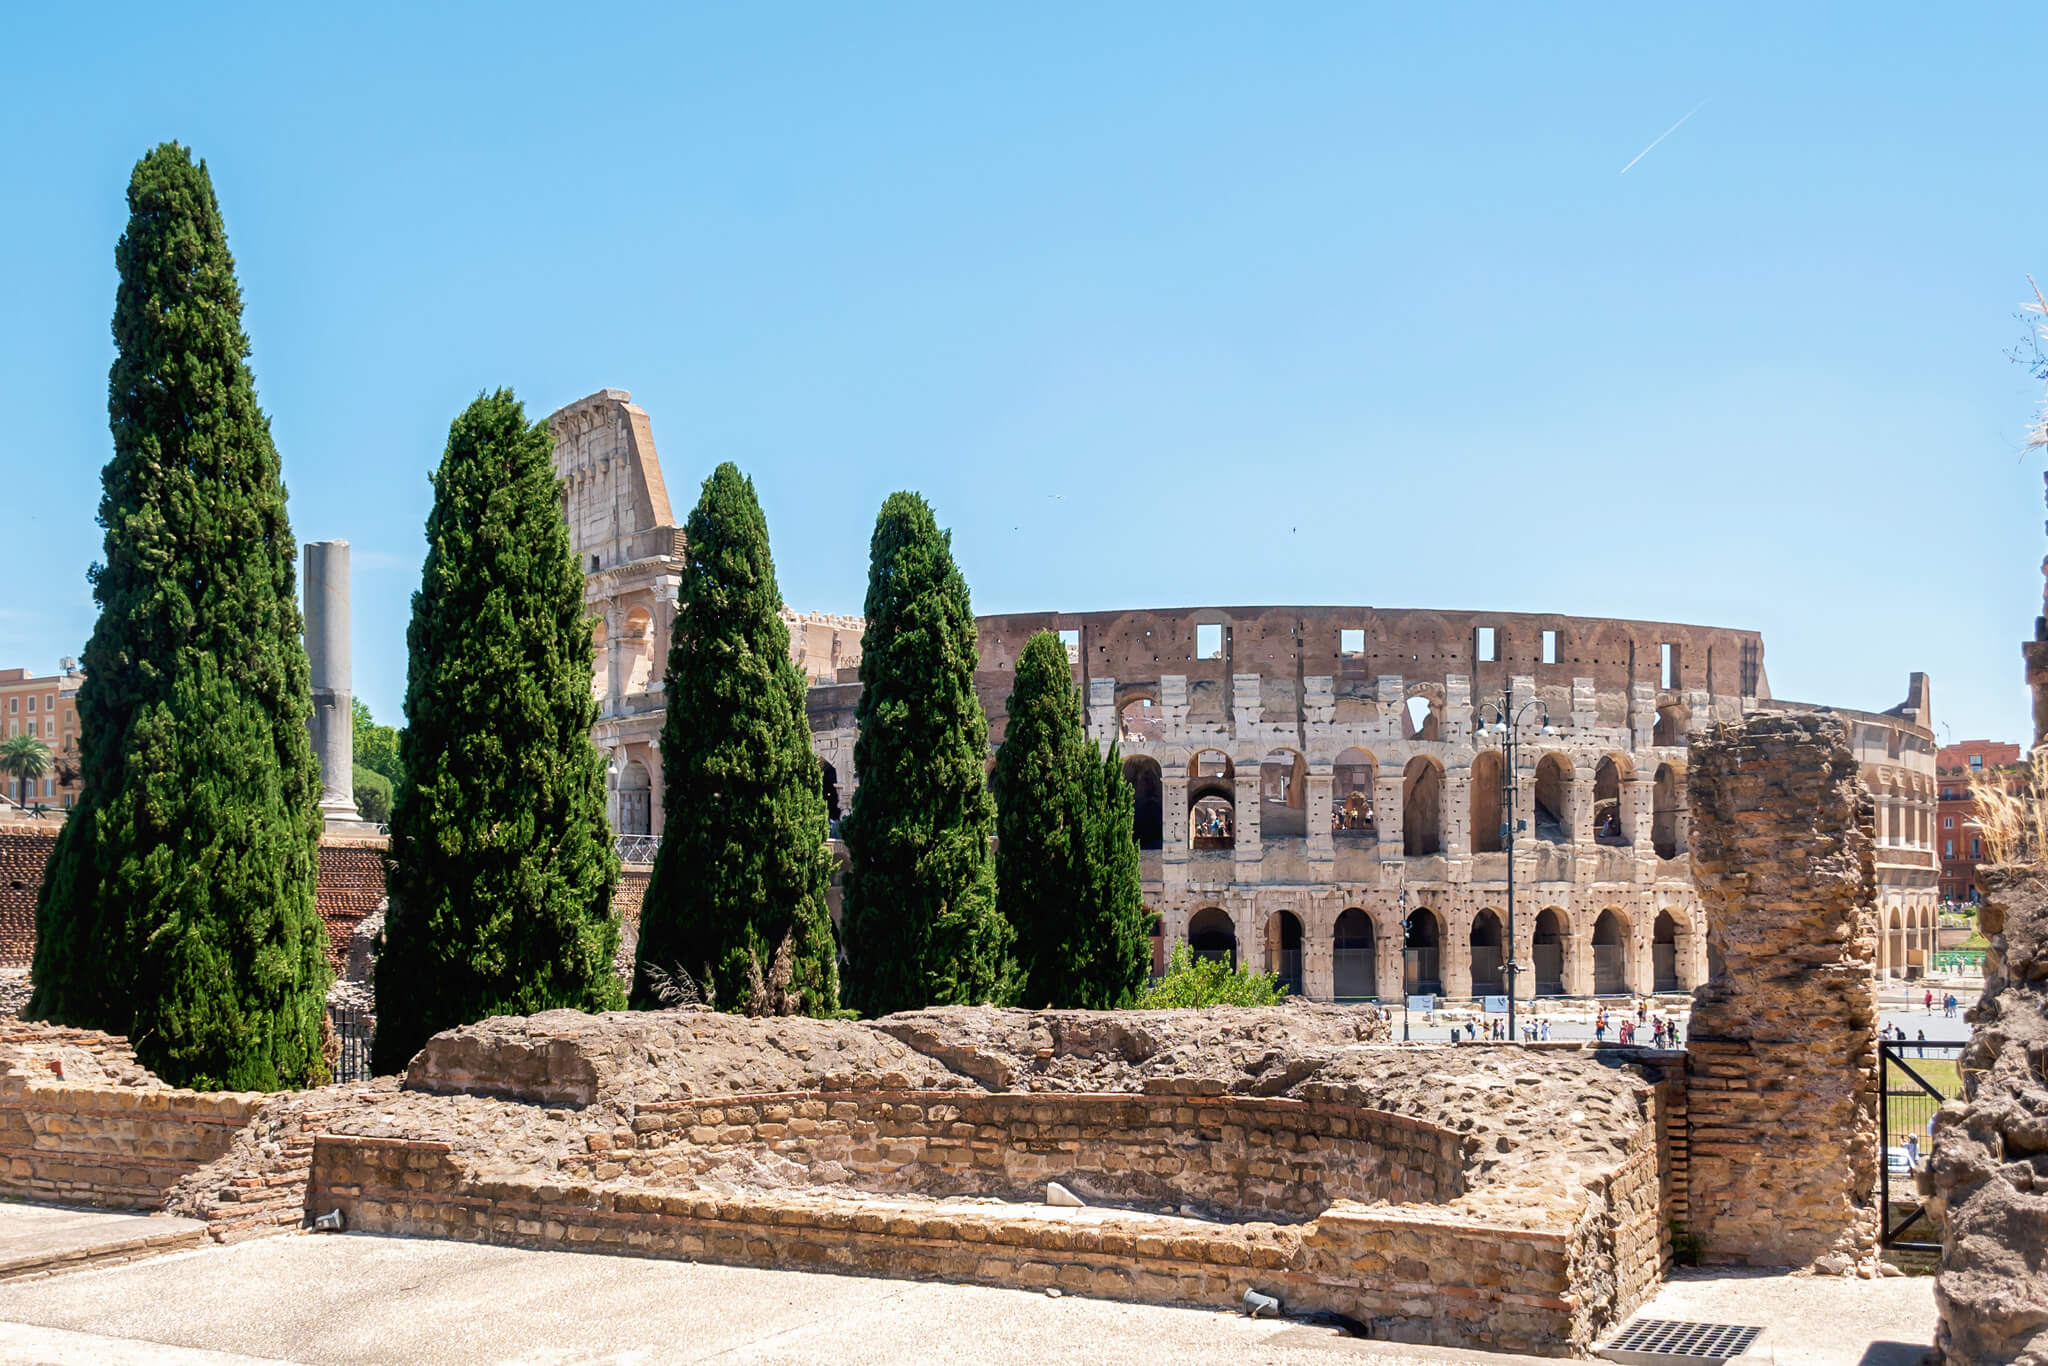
(1283, 801)
(1611, 966)
(1907, 937)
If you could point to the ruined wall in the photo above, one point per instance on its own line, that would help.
(1783, 1043)
(82, 1124)
(1989, 1169)
(24, 848)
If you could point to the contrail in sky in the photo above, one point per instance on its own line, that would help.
(1665, 134)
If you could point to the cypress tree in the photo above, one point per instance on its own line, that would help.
(177, 906)
(501, 870)
(1041, 783)
(737, 897)
(1113, 956)
(1067, 873)
(920, 917)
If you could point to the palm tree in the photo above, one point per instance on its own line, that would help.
(24, 759)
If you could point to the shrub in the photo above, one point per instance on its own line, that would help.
(1192, 982)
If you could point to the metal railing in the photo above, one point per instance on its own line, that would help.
(636, 848)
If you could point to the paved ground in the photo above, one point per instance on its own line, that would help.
(36, 1238)
(354, 1300)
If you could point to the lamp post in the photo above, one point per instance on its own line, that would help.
(1401, 906)
(1507, 724)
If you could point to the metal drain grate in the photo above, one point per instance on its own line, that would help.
(1656, 1341)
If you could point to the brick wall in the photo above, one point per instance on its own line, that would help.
(351, 886)
(24, 849)
(1422, 1274)
(118, 1147)
(1783, 1041)
(1234, 1156)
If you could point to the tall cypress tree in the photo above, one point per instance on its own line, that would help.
(1112, 957)
(177, 907)
(737, 897)
(1041, 785)
(501, 870)
(1067, 873)
(920, 918)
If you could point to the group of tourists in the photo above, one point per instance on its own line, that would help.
(1663, 1033)
(1948, 1005)
(1897, 1034)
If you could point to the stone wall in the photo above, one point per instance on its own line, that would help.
(1225, 1156)
(81, 1124)
(24, 848)
(1989, 1170)
(1783, 1041)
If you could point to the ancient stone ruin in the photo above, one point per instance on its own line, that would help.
(1988, 1177)
(1783, 1043)
(1494, 1198)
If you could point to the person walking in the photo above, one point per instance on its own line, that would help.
(1928, 1001)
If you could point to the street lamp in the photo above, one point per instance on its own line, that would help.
(1507, 725)
(1401, 906)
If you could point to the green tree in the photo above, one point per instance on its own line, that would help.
(376, 747)
(501, 870)
(1067, 874)
(920, 917)
(177, 906)
(24, 759)
(737, 896)
(373, 794)
(1191, 983)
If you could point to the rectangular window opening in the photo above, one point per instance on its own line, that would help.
(1550, 647)
(1667, 664)
(1485, 646)
(1209, 640)
(1072, 640)
(1351, 641)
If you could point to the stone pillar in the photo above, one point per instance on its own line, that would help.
(1783, 1090)
(327, 654)
(1322, 778)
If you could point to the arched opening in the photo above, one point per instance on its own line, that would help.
(1422, 790)
(1553, 798)
(638, 642)
(1610, 822)
(1212, 824)
(1138, 721)
(1549, 953)
(1283, 796)
(1211, 935)
(1419, 713)
(1158, 946)
(1421, 973)
(1148, 812)
(1610, 955)
(1674, 720)
(1283, 950)
(600, 675)
(1489, 977)
(1898, 944)
(1354, 958)
(636, 792)
(1664, 953)
(1351, 795)
(1667, 812)
(829, 776)
(1212, 793)
(1486, 814)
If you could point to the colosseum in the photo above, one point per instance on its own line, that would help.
(1328, 793)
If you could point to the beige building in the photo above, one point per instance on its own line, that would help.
(45, 706)
(630, 545)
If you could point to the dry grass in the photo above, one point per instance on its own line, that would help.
(2037, 435)
(2012, 818)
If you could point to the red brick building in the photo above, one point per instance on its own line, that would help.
(1956, 841)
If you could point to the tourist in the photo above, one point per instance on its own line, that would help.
(1923, 1044)
(1674, 1034)
(1929, 1002)
(1546, 1031)
(1600, 1028)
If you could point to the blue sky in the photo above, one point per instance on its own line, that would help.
(1159, 304)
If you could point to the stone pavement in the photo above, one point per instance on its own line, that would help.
(354, 1300)
(38, 1239)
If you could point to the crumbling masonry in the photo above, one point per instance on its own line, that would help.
(1783, 1094)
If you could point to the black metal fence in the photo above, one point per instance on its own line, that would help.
(352, 1025)
(1914, 1078)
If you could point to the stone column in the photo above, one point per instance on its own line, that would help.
(1321, 801)
(327, 654)
(1783, 1091)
